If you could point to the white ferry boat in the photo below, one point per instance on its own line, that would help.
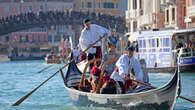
(160, 47)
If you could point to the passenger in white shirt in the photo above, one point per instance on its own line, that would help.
(124, 66)
(89, 35)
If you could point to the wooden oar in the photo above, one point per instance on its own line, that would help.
(27, 95)
(155, 88)
(44, 69)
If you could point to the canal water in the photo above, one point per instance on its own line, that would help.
(18, 78)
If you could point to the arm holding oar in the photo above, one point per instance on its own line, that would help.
(27, 95)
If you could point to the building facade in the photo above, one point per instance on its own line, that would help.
(170, 13)
(175, 13)
(144, 14)
(15, 7)
(190, 13)
(100, 6)
(36, 39)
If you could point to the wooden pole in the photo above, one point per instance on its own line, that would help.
(44, 69)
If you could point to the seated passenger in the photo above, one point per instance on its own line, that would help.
(95, 74)
(110, 67)
(140, 87)
(143, 67)
(193, 43)
(129, 84)
(124, 66)
(109, 87)
(109, 55)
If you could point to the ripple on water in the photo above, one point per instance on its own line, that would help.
(19, 78)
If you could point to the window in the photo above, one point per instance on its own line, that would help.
(161, 42)
(27, 38)
(116, 4)
(167, 16)
(140, 44)
(39, 39)
(7, 39)
(94, 4)
(108, 5)
(6, 8)
(165, 42)
(49, 38)
(83, 4)
(33, 39)
(129, 26)
(99, 4)
(30, 8)
(173, 14)
(144, 43)
(20, 39)
(184, 9)
(153, 43)
(134, 26)
(140, 2)
(41, 8)
(150, 43)
(57, 38)
(134, 4)
(89, 5)
(157, 42)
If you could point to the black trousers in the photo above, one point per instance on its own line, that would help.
(92, 56)
(122, 86)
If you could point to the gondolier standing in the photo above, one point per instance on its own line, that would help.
(89, 35)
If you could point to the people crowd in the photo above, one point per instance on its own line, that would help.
(14, 22)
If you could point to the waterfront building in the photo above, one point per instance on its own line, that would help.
(170, 13)
(15, 7)
(190, 14)
(144, 14)
(100, 6)
(175, 12)
(35, 41)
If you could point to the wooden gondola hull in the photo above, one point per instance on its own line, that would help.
(162, 98)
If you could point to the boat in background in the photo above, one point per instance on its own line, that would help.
(53, 59)
(4, 53)
(160, 48)
(4, 58)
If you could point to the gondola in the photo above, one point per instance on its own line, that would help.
(163, 98)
